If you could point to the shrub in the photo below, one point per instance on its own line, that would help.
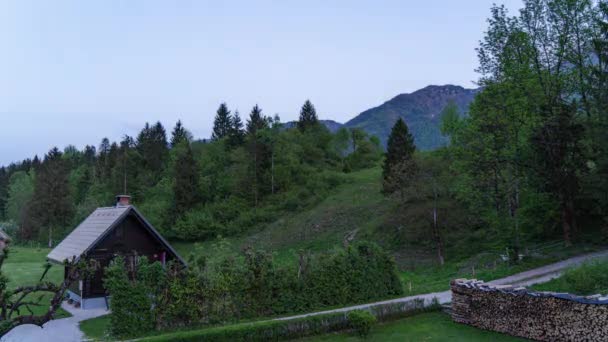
(361, 322)
(588, 279)
(197, 224)
(249, 286)
(261, 331)
(131, 302)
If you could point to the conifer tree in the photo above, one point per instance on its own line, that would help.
(51, 206)
(35, 163)
(153, 148)
(89, 154)
(222, 123)
(180, 134)
(308, 116)
(237, 132)
(400, 148)
(186, 188)
(257, 121)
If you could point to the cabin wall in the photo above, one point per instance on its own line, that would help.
(129, 238)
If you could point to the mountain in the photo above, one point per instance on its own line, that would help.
(420, 110)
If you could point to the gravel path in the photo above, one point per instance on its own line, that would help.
(66, 329)
(58, 330)
(535, 276)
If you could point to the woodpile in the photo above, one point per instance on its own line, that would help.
(542, 316)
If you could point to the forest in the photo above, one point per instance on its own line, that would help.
(246, 174)
(527, 162)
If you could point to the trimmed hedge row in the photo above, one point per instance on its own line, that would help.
(277, 330)
(262, 331)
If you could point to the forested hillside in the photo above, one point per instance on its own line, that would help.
(249, 174)
(528, 163)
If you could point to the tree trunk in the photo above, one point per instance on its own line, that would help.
(436, 233)
(568, 223)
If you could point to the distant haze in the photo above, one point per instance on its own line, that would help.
(72, 72)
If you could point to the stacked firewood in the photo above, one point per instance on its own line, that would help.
(542, 316)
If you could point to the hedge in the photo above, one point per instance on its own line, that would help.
(262, 331)
(277, 330)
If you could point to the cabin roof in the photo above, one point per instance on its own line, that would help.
(94, 228)
(4, 236)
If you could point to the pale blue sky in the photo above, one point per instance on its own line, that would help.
(76, 71)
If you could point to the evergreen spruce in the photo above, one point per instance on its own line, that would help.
(257, 121)
(222, 123)
(237, 133)
(180, 134)
(51, 206)
(400, 148)
(153, 147)
(308, 116)
(186, 189)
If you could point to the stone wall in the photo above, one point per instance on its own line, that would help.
(542, 316)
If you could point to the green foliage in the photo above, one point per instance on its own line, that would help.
(222, 124)
(261, 331)
(20, 191)
(308, 116)
(197, 224)
(186, 185)
(588, 279)
(252, 285)
(132, 303)
(180, 135)
(51, 207)
(400, 148)
(361, 322)
(450, 119)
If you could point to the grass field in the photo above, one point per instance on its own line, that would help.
(433, 326)
(24, 266)
(96, 328)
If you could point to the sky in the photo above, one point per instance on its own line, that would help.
(73, 72)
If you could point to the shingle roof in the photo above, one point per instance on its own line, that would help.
(87, 233)
(4, 236)
(94, 228)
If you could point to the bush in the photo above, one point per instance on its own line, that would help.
(250, 286)
(197, 224)
(588, 279)
(361, 322)
(131, 302)
(261, 331)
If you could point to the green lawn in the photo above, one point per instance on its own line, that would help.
(433, 326)
(24, 266)
(96, 328)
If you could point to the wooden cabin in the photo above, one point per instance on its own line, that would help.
(106, 233)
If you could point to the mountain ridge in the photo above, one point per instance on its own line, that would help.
(419, 109)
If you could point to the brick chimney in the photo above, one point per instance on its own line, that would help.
(122, 200)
